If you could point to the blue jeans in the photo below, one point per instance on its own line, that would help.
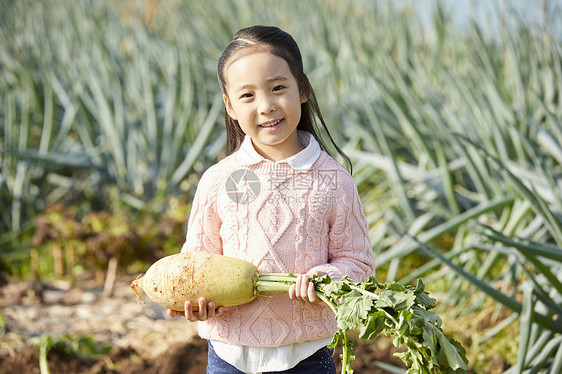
(319, 363)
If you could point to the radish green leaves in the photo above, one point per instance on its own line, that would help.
(396, 310)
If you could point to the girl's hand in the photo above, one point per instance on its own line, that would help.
(304, 290)
(206, 311)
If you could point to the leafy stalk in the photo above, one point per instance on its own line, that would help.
(44, 346)
(390, 308)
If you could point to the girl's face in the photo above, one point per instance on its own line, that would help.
(263, 96)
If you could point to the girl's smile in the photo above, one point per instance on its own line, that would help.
(272, 124)
(263, 96)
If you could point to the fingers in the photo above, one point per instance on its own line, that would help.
(202, 312)
(303, 289)
(213, 311)
(174, 313)
(302, 286)
(188, 308)
(293, 292)
(205, 311)
(219, 311)
(312, 293)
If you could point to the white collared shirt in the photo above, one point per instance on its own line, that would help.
(263, 359)
(302, 161)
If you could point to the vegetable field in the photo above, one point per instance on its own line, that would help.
(110, 111)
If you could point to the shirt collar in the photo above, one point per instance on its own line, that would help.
(302, 161)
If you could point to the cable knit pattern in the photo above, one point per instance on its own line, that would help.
(299, 222)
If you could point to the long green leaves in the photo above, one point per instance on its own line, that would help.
(476, 123)
(106, 95)
(455, 132)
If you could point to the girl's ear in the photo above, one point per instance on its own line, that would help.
(228, 106)
(304, 98)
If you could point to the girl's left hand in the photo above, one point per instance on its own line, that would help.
(304, 290)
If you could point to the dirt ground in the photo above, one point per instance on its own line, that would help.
(185, 358)
(143, 337)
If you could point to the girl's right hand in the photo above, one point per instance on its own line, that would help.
(303, 290)
(206, 311)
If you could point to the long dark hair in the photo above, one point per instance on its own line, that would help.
(280, 43)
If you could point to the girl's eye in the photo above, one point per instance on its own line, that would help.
(278, 88)
(246, 96)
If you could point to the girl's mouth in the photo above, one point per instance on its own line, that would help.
(271, 125)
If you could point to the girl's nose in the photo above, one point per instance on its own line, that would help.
(267, 106)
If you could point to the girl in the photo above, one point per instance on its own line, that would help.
(280, 201)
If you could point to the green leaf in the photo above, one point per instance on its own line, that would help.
(526, 323)
(374, 326)
(389, 298)
(424, 300)
(370, 285)
(422, 296)
(405, 324)
(557, 363)
(427, 316)
(353, 309)
(448, 353)
(44, 346)
(430, 342)
(420, 287)
(2, 326)
(336, 338)
(334, 289)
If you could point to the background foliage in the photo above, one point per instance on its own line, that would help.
(112, 108)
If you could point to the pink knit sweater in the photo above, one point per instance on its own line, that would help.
(283, 221)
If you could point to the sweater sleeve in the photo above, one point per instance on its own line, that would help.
(349, 249)
(203, 227)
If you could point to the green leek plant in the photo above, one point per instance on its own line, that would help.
(454, 132)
